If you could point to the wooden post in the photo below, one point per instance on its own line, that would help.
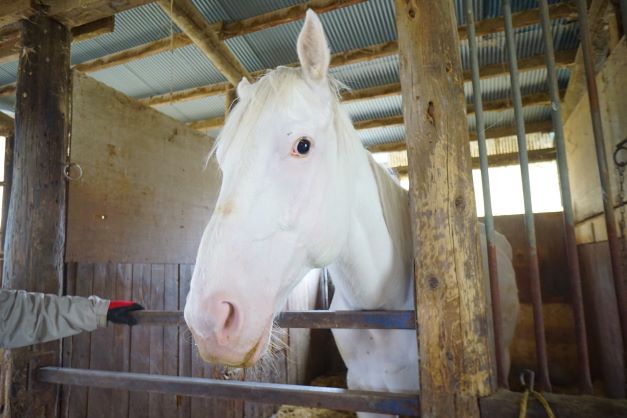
(35, 236)
(456, 354)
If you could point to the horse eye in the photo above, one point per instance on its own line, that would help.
(302, 147)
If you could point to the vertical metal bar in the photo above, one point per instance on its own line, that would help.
(606, 186)
(534, 284)
(324, 288)
(497, 317)
(572, 257)
(623, 14)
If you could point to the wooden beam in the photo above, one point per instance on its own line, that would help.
(452, 312)
(210, 123)
(520, 19)
(142, 51)
(563, 58)
(7, 124)
(192, 22)
(36, 222)
(491, 133)
(537, 99)
(15, 10)
(10, 36)
(502, 160)
(69, 12)
(7, 90)
(282, 16)
(289, 14)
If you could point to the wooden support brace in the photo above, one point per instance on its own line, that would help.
(192, 22)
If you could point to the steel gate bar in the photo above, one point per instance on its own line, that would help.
(274, 393)
(585, 381)
(497, 317)
(536, 293)
(307, 319)
(606, 186)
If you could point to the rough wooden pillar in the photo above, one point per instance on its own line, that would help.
(456, 354)
(35, 236)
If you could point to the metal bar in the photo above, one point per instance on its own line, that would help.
(497, 317)
(572, 258)
(324, 288)
(307, 319)
(606, 186)
(536, 293)
(623, 14)
(272, 393)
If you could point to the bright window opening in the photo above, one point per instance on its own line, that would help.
(506, 189)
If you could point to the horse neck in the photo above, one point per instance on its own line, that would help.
(374, 268)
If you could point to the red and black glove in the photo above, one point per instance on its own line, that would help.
(119, 311)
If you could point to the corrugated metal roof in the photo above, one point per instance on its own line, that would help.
(358, 26)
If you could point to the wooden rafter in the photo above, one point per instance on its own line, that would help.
(563, 58)
(6, 124)
(290, 14)
(71, 13)
(10, 36)
(537, 99)
(502, 160)
(520, 19)
(193, 24)
(500, 132)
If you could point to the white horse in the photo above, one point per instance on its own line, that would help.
(300, 192)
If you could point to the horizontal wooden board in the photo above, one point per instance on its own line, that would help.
(145, 195)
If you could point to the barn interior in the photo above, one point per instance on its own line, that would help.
(147, 88)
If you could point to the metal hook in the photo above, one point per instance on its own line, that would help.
(67, 174)
(621, 146)
(531, 379)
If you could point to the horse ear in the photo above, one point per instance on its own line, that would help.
(313, 49)
(243, 88)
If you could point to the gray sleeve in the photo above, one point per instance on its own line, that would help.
(29, 318)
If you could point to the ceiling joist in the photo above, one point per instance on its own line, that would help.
(193, 24)
(10, 40)
(538, 99)
(503, 160)
(499, 132)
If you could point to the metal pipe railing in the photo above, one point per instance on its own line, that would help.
(572, 257)
(497, 317)
(534, 282)
(305, 319)
(606, 186)
(273, 393)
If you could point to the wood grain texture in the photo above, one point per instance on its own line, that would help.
(456, 358)
(35, 235)
(582, 166)
(189, 19)
(144, 173)
(602, 317)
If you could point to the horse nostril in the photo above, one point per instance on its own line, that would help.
(229, 322)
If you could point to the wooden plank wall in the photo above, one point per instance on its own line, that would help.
(582, 166)
(164, 350)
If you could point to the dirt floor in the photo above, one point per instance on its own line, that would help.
(336, 381)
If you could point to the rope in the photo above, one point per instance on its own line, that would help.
(524, 401)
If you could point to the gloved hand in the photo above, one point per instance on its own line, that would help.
(119, 311)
